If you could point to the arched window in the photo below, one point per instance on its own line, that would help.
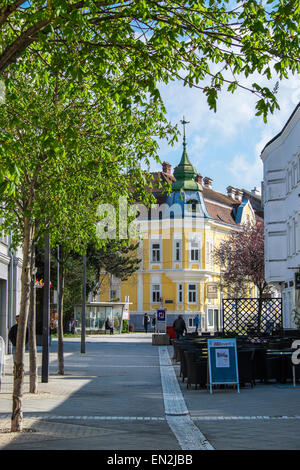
(193, 206)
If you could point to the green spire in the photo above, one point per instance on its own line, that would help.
(185, 173)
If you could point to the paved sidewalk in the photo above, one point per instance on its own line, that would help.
(123, 394)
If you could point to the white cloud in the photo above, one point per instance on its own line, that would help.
(227, 144)
(246, 172)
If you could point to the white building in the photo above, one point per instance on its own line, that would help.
(281, 161)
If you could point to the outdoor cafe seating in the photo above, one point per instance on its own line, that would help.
(263, 360)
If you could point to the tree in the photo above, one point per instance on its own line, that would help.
(153, 41)
(64, 149)
(241, 258)
(114, 258)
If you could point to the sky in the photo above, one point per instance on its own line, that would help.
(225, 145)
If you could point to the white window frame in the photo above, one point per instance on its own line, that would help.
(180, 293)
(113, 296)
(210, 323)
(194, 248)
(213, 309)
(155, 293)
(155, 251)
(177, 250)
(193, 292)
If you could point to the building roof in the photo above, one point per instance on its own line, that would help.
(223, 208)
(220, 213)
(209, 193)
(185, 174)
(282, 130)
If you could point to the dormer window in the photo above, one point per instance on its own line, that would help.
(193, 206)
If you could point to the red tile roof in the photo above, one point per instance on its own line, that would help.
(220, 213)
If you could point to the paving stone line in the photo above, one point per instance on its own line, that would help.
(186, 432)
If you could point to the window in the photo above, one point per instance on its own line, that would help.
(113, 294)
(155, 252)
(213, 317)
(191, 323)
(210, 317)
(192, 293)
(180, 293)
(155, 293)
(294, 175)
(192, 206)
(194, 251)
(177, 251)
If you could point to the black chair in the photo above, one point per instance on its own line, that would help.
(183, 364)
(197, 373)
(190, 355)
(245, 364)
(273, 368)
(259, 364)
(176, 350)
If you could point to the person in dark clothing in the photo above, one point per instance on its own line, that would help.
(12, 336)
(146, 322)
(108, 326)
(179, 326)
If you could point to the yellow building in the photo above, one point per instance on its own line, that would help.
(178, 272)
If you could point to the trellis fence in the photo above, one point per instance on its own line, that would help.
(252, 317)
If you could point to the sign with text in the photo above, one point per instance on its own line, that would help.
(212, 290)
(222, 362)
(125, 313)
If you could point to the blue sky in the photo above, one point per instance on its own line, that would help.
(226, 145)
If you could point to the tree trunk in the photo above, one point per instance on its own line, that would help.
(17, 413)
(33, 369)
(60, 301)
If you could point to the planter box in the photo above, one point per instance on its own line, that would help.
(160, 339)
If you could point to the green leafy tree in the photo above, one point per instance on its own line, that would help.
(64, 149)
(114, 258)
(145, 42)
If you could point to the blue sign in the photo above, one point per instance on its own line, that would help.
(223, 363)
(161, 315)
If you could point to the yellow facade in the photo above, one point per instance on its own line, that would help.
(178, 272)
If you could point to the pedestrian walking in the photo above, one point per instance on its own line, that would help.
(179, 326)
(12, 336)
(146, 322)
(196, 322)
(154, 321)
